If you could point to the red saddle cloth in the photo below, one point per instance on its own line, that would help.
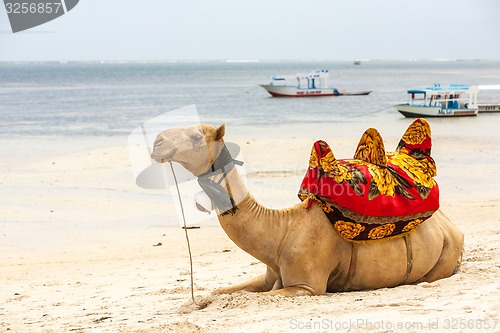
(376, 194)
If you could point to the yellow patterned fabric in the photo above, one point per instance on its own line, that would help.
(376, 194)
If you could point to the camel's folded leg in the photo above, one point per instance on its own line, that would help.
(291, 291)
(256, 284)
(264, 282)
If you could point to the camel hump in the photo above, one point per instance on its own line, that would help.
(416, 141)
(371, 148)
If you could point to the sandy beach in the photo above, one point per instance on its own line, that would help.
(83, 249)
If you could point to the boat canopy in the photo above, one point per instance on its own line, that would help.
(320, 73)
(313, 80)
(437, 89)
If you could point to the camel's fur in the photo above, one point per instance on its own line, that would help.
(303, 253)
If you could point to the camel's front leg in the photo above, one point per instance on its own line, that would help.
(264, 282)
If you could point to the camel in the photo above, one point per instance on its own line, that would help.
(303, 252)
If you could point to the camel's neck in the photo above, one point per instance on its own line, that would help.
(255, 229)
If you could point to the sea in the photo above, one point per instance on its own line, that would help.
(107, 99)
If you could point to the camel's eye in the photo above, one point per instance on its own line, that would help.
(196, 136)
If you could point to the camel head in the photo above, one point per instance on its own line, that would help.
(194, 147)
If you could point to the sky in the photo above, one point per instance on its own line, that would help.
(158, 30)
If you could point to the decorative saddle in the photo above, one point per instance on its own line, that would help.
(376, 194)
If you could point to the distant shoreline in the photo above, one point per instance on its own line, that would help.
(238, 61)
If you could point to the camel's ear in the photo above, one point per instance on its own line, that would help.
(220, 132)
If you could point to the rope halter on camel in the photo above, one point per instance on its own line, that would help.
(220, 196)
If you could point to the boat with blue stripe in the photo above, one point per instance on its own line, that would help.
(455, 100)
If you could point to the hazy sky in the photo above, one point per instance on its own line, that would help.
(261, 29)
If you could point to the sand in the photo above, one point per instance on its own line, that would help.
(83, 249)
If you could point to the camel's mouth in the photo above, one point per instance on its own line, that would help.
(162, 157)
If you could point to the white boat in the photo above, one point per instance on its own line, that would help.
(456, 100)
(306, 85)
(300, 85)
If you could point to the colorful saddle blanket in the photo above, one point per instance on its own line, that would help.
(376, 194)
